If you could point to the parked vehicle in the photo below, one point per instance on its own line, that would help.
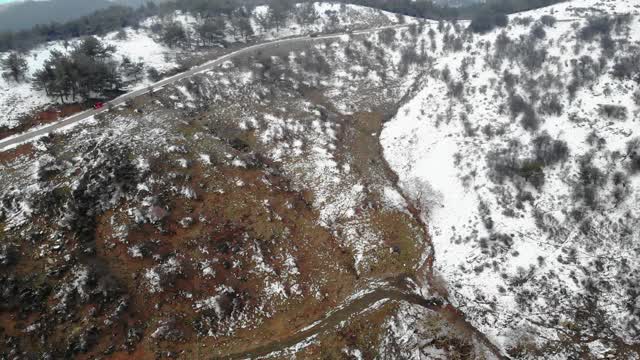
(98, 105)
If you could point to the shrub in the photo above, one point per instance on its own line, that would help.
(153, 74)
(530, 121)
(486, 22)
(633, 154)
(603, 25)
(532, 57)
(616, 112)
(548, 20)
(548, 151)
(584, 70)
(628, 67)
(621, 188)
(550, 105)
(505, 163)
(538, 32)
(608, 46)
(387, 36)
(456, 89)
(518, 106)
(532, 171)
(590, 179)
(595, 26)
(524, 21)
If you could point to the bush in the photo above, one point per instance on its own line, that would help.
(532, 172)
(506, 164)
(456, 89)
(153, 74)
(601, 25)
(518, 106)
(548, 20)
(628, 67)
(530, 121)
(590, 180)
(616, 112)
(503, 162)
(585, 71)
(548, 151)
(633, 154)
(532, 57)
(550, 105)
(524, 21)
(486, 22)
(621, 188)
(538, 32)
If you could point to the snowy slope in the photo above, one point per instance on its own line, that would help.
(531, 265)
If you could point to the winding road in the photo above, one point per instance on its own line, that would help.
(33, 134)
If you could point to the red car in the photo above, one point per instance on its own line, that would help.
(98, 105)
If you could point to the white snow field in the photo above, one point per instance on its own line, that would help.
(532, 265)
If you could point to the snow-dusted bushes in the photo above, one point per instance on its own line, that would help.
(616, 112)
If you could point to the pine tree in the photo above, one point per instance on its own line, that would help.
(14, 67)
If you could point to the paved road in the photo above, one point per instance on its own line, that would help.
(41, 131)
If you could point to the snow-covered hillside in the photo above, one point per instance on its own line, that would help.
(20, 99)
(522, 150)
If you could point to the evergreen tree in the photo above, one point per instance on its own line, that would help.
(211, 30)
(14, 67)
(88, 70)
(174, 34)
(306, 14)
(279, 12)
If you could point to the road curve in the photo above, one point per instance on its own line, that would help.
(30, 135)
